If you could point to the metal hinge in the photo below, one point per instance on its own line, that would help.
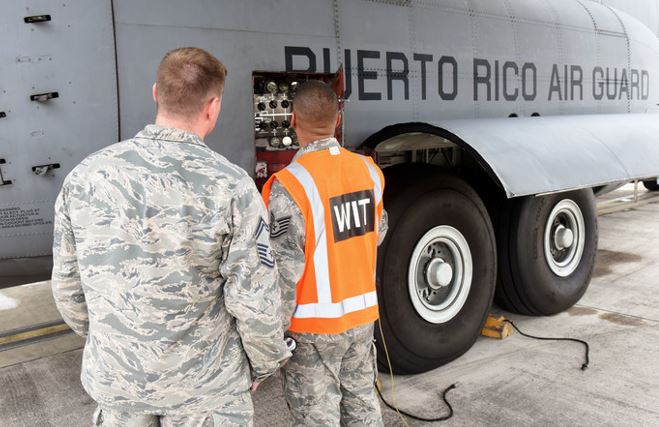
(2, 180)
(37, 19)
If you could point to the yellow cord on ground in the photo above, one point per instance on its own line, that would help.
(391, 372)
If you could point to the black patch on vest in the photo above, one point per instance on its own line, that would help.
(353, 214)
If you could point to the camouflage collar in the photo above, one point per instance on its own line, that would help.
(321, 144)
(161, 133)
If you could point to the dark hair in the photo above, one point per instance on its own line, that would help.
(187, 79)
(316, 102)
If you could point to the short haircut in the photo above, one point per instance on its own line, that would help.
(187, 79)
(315, 102)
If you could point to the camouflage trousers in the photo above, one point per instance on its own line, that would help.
(330, 380)
(240, 413)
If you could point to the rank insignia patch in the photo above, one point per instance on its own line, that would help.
(263, 244)
(279, 226)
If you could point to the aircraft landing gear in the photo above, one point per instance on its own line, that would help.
(547, 247)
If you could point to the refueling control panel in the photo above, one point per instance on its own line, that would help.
(274, 138)
(273, 105)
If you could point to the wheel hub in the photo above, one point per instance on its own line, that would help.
(439, 273)
(564, 238)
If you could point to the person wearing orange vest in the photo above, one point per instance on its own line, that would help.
(327, 219)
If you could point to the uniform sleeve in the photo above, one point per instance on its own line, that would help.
(288, 240)
(251, 293)
(67, 287)
(383, 227)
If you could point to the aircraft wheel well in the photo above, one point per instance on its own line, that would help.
(410, 148)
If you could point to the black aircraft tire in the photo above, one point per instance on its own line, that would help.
(414, 344)
(651, 185)
(527, 284)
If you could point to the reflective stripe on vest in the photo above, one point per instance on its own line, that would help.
(337, 309)
(377, 186)
(325, 308)
(321, 264)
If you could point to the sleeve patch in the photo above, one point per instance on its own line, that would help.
(263, 244)
(279, 226)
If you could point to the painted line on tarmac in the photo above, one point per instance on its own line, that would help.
(32, 334)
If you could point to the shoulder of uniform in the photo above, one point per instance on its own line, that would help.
(278, 189)
(227, 168)
(95, 160)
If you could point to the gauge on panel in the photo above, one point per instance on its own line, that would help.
(271, 87)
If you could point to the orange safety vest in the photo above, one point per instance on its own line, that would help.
(340, 196)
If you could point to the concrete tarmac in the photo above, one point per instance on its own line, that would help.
(513, 382)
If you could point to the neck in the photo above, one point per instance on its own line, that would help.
(305, 139)
(186, 125)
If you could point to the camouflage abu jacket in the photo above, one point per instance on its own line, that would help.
(162, 260)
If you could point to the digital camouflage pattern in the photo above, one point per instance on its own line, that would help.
(330, 378)
(287, 247)
(238, 414)
(156, 263)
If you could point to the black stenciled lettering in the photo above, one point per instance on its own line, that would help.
(598, 84)
(447, 63)
(366, 75)
(507, 67)
(565, 85)
(397, 75)
(635, 85)
(496, 80)
(526, 68)
(422, 58)
(326, 60)
(482, 79)
(645, 85)
(576, 79)
(624, 85)
(555, 84)
(293, 51)
(611, 83)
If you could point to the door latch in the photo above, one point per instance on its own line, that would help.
(44, 97)
(3, 114)
(36, 19)
(2, 179)
(42, 170)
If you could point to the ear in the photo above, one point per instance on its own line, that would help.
(213, 108)
(338, 120)
(293, 120)
(154, 93)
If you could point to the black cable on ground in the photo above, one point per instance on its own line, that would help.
(415, 417)
(587, 355)
(584, 366)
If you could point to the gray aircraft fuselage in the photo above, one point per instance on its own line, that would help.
(77, 77)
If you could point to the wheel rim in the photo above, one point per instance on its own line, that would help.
(439, 274)
(565, 238)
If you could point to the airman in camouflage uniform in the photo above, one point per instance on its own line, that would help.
(162, 261)
(330, 378)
